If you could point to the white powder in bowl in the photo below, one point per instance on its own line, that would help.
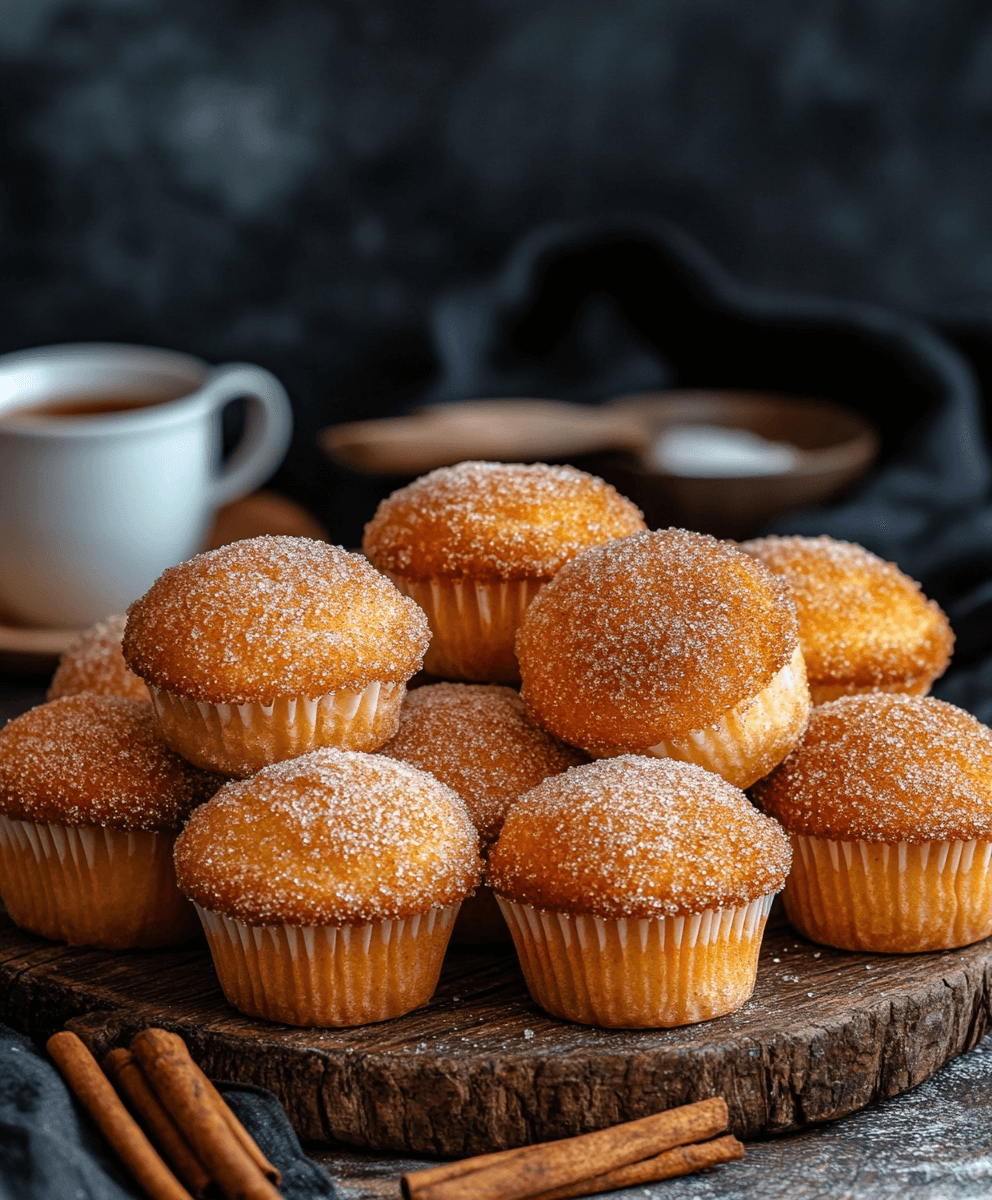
(717, 452)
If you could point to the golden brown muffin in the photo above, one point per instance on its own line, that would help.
(90, 802)
(473, 543)
(270, 647)
(354, 865)
(637, 891)
(478, 739)
(888, 799)
(93, 662)
(671, 644)
(864, 626)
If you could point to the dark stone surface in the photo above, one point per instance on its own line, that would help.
(934, 1143)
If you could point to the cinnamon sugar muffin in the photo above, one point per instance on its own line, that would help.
(93, 662)
(669, 644)
(478, 739)
(888, 799)
(328, 886)
(637, 891)
(864, 626)
(268, 648)
(473, 543)
(90, 803)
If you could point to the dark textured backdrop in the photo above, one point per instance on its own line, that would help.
(297, 183)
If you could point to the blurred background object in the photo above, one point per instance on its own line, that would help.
(392, 206)
(320, 187)
(25, 649)
(726, 463)
(730, 462)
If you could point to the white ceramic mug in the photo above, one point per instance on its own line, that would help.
(94, 507)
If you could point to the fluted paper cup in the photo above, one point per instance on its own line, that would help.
(752, 738)
(329, 975)
(893, 899)
(473, 625)
(241, 739)
(92, 886)
(638, 973)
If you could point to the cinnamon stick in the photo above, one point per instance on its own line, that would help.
(682, 1160)
(532, 1170)
(248, 1143)
(125, 1071)
(95, 1092)
(180, 1086)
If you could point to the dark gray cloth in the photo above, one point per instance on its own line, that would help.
(585, 311)
(263, 1116)
(50, 1150)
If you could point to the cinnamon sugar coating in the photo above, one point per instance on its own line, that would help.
(495, 521)
(862, 622)
(637, 837)
(270, 617)
(93, 662)
(886, 768)
(96, 760)
(335, 837)
(478, 739)
(651, 637)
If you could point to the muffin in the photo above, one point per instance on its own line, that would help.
(93, 662)
(888, 800)
(864, 626)
(669, 644)
(268, 648)
(473, 543)
(90, 803)
(637, 891)
(478, 739)
(328, 886)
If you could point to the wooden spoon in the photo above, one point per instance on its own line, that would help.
(498, 430)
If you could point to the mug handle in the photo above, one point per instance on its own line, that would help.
(268, 428)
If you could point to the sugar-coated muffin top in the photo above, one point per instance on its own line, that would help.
(495, 521)
(93, 662)
(651, 637)
(269, 617)
(478, 739)
(96, 760)
(861, 620)
(335, 837)
(885, 768)
(637, 837)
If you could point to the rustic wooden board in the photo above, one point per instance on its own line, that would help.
(481, 1067)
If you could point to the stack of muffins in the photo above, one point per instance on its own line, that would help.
(596, 815)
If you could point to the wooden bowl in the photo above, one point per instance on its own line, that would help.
(836, 448)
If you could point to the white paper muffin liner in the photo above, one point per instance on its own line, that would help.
(751, 739)
(639, 972)
(240, 739)
(897, 899)
(91, 886)
(329, 975)
(473, 625)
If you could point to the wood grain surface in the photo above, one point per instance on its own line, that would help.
(482, 1068)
